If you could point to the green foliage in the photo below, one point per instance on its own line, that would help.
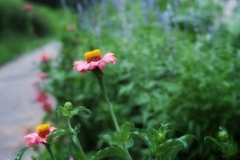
(107, 152)
(58, 3)
(56, 133)
(165, 72)
(159, 145)
(118, 138)
(20, 153)
(21, 31)
(34, 21)
(226, 144)
(75, 111)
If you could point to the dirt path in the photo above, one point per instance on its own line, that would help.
(18, 111)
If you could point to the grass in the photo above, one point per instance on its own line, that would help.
(15, 45)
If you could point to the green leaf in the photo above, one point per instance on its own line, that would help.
(109, 139)
(229, 150)
(78, 110)
(75, 111)
(171, 153)
(171, 143)
(188, 137)
(106, 152)
(168, 144)
(129, 143)
(120, 137)
(146, 137)
(57, 133)
(124, 133)
(213, 140)
(75, 141)
(21, 152)
(74, 152)
(64, 111)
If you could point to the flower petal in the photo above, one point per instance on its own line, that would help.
(52, 129)
(93, 65)
(41, 96)
(32, 139)
(81, 66)
(109, 57)
(101, 64)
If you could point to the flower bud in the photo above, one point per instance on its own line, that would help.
(68, 106)
(161, 137)
(223, 135)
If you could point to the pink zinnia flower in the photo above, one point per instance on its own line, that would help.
(34, 139)
(27, 7)
(47, 107)
(44, 58)
(42, 75)
(41, 97)
(94, 60)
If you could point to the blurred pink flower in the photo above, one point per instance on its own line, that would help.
(35, 83)
(71, 158)
(70, 27)
(47, 107)
(42, 75)
(34, 139)
(93, 60)
(41, 97)
(44, 58)
(27, 7)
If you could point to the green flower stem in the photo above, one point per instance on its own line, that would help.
(126, 151)
(75, 139)
(101, 84)
(50, 151)
(99, 73)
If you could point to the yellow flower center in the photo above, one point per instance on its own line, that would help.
(43, 130)
(94, 55)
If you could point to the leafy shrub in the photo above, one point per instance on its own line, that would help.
(21, 31)
(14, 18)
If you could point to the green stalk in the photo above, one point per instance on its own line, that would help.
(50, 151)
(101, 84)
(99, 73)
(126, 151)
(75, 139)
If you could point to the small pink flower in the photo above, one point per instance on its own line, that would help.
(47, 107)
(94, 60)
(42, 75)
(34, 139)
(41, 97)
(44, 58)
(71, 158)
(27, 7)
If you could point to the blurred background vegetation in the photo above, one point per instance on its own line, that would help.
(178, 62)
